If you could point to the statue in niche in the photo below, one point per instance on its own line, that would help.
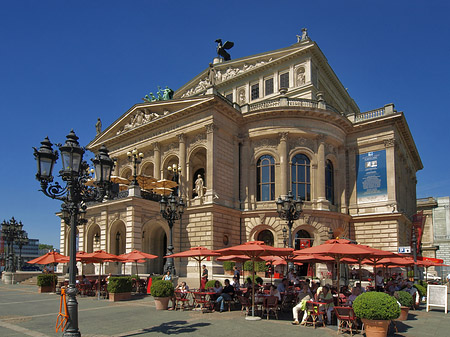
(98, 126)
(221, 49)
(242, 99)
(199, 185)
(300, 76)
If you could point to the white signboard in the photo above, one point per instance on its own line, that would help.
(404, 250)
(437, 297)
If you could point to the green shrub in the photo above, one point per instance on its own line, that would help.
(422, 290)
(228, 265)
(260, 266)
(156, 278)
(210, 284)
(119, 284)
(376, 305)
(404, 298)
(45, 280)
(162, 288)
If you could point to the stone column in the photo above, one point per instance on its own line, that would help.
(352, 202)
(245, 155)
(320, 190)
(284, 163)
(182, 163)
(390, 169)
(210, 146)
(157, 159)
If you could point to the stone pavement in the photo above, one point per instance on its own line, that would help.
(25, 312)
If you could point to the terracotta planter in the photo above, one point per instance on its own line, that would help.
(376, 328)
(403, 314)
(46, 289)
(161, 303)
(114, 297)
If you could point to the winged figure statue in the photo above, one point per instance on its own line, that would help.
(221, 49)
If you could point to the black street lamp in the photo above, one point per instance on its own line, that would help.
(289, 209)
(176, 171)
(22, 240)
(135, 157)
(171, 209)
(75, 173)
(414, 249)
(11, 232)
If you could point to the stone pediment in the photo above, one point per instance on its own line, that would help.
(236, 70)
(145, 116)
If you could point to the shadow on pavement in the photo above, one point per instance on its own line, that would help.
(171, 328)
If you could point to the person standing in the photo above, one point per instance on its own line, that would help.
(204, 278)
(379, 281)
(237, 274)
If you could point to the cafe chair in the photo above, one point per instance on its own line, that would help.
(314, 312)
(181, 300)
(270, 303)
(347, 321)
(245, 303)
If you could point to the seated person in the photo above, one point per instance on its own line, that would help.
(303, 296)
(167, 277)
(283, 285)
(85, 280)
(182, 287)
(217, 287)
(226, 294)
(274, 292)
(326, 297)
(235, 283)
(355, 293)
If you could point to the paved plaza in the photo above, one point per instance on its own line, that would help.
(25, 312)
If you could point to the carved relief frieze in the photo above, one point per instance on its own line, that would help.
(301, 142)
(210, 127)
(113, 217)
(389, 142)
(265, 143)
(199, 139)
(138, 118)
(221, 75)
(171, 148)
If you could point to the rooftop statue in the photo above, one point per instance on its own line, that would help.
(304, 35)
(98, 126)
(161, 95)
(221, 49)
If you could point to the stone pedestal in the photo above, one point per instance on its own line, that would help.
(8, 277)
(134, 191)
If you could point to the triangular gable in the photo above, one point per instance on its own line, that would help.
(143, 116)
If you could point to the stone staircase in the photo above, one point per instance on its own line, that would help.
(32, 281)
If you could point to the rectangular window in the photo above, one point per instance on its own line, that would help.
(284, 80)
(255, 91)
(268, 86)
(229, 97)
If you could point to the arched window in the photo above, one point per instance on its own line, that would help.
(329, 182)
(301, 177)
(303, 240)
(265, 178)
(266, 236)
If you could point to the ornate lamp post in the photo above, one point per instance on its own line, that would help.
(176, 170)
(74, 196)
(11, 232)
(171, 209)
(289, 209)
(135, 157)
(22, 240)
(414, 249)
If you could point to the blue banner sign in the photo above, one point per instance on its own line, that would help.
(371, 180)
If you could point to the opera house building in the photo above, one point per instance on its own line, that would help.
(236, 137)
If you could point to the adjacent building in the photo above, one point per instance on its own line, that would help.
(253, 129)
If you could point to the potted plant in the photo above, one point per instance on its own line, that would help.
(407, 301)
(47, 282)
(162, 291)
(210, 284)
(119, 288)
(376, 310)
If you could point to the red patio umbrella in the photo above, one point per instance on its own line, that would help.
(137, 256)
(50, 258)
(198, 254)
(254, 250)
(337, 249)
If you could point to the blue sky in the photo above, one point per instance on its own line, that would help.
(65, 63)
